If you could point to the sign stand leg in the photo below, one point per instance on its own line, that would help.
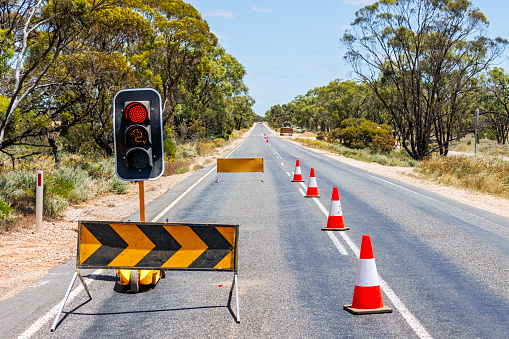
(236, 286)
(76, 274)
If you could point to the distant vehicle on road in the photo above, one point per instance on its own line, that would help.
(298, 130)
(286, 128)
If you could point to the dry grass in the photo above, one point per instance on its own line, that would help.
(176, 167)
(482, 174)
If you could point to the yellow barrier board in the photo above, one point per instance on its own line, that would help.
(143, 245)
(239, 165)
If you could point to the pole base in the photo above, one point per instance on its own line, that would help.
(359, 311)
(335, 229)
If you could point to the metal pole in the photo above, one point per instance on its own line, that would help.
(39, 201)
(142, 200)
(475, 137)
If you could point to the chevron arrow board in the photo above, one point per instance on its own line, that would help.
(144, 245)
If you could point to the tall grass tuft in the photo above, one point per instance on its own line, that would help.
(482, 174)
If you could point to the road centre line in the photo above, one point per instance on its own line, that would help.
(398, 304)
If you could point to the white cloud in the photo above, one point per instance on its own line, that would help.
(358, 2)
(343, 27)
(222, 36)
(261, 10)
(220, 13)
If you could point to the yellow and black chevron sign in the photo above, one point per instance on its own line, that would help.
(103, 244)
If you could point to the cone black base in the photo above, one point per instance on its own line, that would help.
(311, 196)
(297, 180)
(335, 229)
(359, 311)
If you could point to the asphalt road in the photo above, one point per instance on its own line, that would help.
(443, 265)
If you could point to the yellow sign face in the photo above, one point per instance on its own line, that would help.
(239, 165)
(157, 245)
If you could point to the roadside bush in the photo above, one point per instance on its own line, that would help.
(17, 189)
(170, 149)
(383, 143)
(7, 216)
(54, 206)
(381, 159)
(74, 184)
(117, 185)
(187, 151)
(321, 136)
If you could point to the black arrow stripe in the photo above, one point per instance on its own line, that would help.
(166, 246)
(112, 244)
(218, 247)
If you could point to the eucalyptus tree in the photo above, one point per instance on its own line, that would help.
(494, 98)
(419, 57)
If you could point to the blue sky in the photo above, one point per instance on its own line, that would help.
(291, 46)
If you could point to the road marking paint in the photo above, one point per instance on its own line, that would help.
(398, 304)
(282, 164)
(336, 242)
(405, 313)
(302, 192)
(436, 200)
(36, 326)
(163, 212)
(29, 332)
(288, 174)
(304, 185)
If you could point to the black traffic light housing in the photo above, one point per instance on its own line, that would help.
(138, 134)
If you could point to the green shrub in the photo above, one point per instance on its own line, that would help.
(383, 143)
(17, 189)
(117, 185)
(321, 136)
(187, 151)
(54, 205)
(7, 216)
(170, 149)
(102, 169)
(381, 159)
(74, 184)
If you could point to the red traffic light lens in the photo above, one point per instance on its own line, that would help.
(136, 112)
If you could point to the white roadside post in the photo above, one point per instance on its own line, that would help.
(38, 202)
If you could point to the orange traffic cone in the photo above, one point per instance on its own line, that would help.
(312, 188)
(367, 296)
(297, 176)
(335, 221)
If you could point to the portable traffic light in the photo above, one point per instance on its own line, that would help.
(138, 134)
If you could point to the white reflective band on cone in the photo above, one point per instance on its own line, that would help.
(335, 209)
(297, 170)
(367, 274)
(312, 182)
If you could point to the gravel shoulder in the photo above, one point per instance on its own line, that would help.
(26, 256)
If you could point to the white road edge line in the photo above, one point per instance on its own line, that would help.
(398, 304)
(436, 200)
(50, 315)
(36, 326)
(164, 211)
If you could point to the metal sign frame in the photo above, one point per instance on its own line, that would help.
(79, 266)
